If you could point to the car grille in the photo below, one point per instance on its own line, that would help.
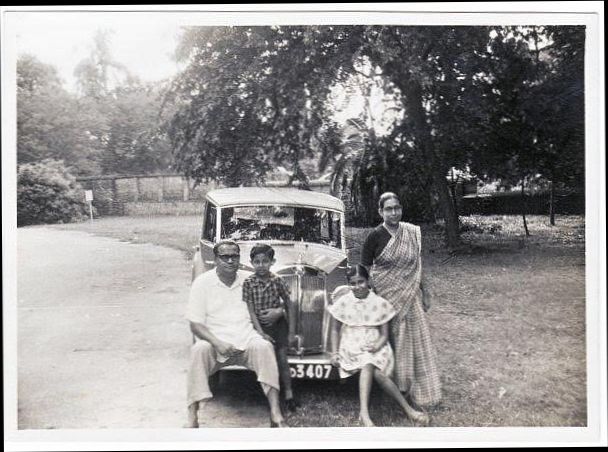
(309, 296)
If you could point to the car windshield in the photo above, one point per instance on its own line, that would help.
(284, 223)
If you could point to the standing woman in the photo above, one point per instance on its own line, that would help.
(393, 253)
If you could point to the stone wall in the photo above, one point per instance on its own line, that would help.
(155, 194)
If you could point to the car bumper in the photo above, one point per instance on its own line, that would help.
(307, 367)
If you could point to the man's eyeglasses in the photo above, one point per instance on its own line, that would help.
(229, 257)
(393, 209)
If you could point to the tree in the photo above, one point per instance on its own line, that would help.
(99, 73)
(534, 107)
(511, 153)
(115, 125)
(361, 168)
(50, 122)
(435, 73)
(135, 139)
(252, 97)
(124, 115)
(34, 76)
(563, 127)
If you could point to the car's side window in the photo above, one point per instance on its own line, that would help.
(210, 223)
(335, 229)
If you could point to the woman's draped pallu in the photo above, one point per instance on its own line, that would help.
(396, 276)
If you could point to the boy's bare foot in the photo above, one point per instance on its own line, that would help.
(292, 404)
(192, 416)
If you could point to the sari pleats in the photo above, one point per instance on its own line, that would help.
(396, 275)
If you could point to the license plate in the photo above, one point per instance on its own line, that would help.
(313, 371)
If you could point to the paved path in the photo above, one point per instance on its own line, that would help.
(102, 341)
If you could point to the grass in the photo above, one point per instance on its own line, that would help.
(508, 322)
(178, 232)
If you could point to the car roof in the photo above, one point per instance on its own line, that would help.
(252, 196)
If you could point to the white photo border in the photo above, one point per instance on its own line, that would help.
(589, 14)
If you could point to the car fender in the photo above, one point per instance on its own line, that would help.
(197, 263)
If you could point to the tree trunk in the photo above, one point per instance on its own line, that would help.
(414, 102)
(454, 193)
(454, 197)
(114, 204)
(552, 204)
(523, 207)
(452, 226)
(137, 189)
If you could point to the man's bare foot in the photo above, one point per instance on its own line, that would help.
(192, 416)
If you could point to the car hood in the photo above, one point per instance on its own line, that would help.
(287, 255)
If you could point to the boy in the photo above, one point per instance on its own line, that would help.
(264, 290)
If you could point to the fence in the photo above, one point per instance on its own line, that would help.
(155, 194)
(174, 194)
(568, 203)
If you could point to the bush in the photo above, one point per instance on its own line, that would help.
(480, 225)
(511, 203)
(47, 193)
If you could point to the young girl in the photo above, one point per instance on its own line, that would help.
(359, 332)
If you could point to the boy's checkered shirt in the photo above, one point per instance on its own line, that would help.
(265, 294)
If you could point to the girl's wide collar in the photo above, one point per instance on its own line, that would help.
(370, 311)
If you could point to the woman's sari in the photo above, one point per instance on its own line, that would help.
(396, 276)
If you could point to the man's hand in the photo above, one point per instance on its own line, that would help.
(292, 339)
(226, 349)
(268, 317)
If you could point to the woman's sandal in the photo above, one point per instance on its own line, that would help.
(280, 424)
(420, 417)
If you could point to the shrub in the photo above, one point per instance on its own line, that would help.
(47, 193)
(567, 202)
(480, 225)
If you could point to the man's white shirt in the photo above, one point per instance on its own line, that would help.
(221, 308)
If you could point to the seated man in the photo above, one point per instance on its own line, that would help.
(219, 317)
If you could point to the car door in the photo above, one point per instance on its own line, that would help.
(209, 235)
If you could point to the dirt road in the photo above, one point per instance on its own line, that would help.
(102, 340)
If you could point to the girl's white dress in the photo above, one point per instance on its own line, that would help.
(361, 321)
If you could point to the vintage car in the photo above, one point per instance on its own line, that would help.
(306, 230)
